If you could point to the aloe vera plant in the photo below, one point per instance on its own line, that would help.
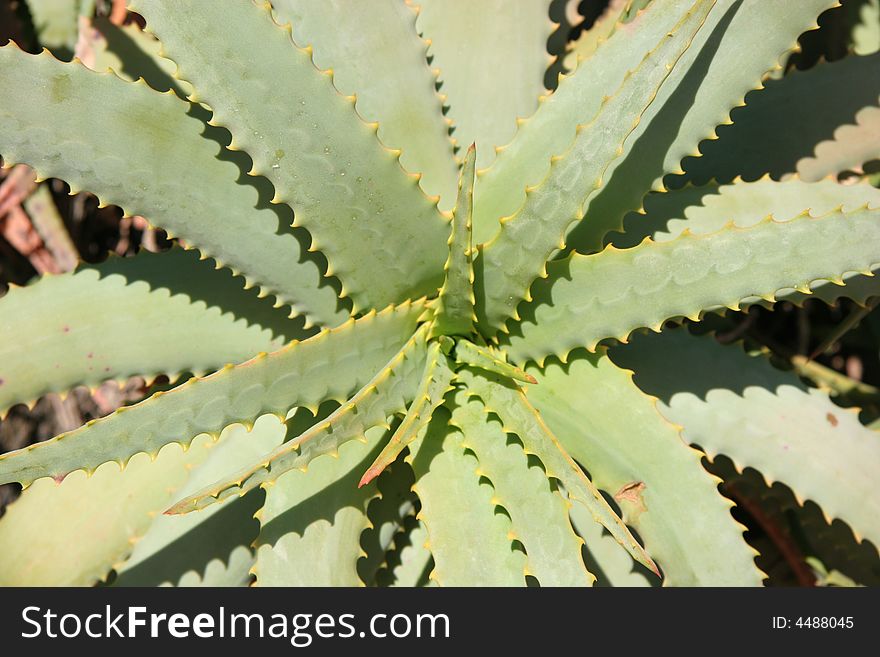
(426, 340)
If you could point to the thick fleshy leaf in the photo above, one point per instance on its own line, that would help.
(454, 314)
(654, 476)
(74, 533)
(469, 541)
(111, 148)
(144, 315)
(737, 404)
(492, 57)
(211, 548)
(436, 382)
(784, 122)
(517, 255)
(311, 524)
(610, 294)
(386, 393)
(538, 513)
(519, 417)
(328, 366)
(380, 233)
(359, 38)
(852, 146)
(726, 59)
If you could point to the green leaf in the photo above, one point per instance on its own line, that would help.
(132, 53)
(852, 146)
(311, 524)
(519, 417)
(492, 57)
(385, 394)
(467, 353)
(144, 315)
(469, 541)
(357, 39)
(381, 235)
(74, 533)
(435, 383)
(517, 255)
(416, 562)
(608, 295)
(605, 557)
(783, 123)
(707, 209)
(538, 513)
(654, 476)
(110, 148)
(728, 58)
(327, 366)
(454, 313)
(526, 161)
(392, 517)
(737, 404)
(211, 548)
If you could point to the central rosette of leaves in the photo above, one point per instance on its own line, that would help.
(445, 363)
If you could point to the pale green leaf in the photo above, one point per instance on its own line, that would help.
(519, 417)
(144, 315)
(469, 541)
(517, 255)
(380, 233)
(211, 548)
(74, 533)
(110, 148)
(454, 313)
(634, 454)
(328, 366)
(491, 56)
(737, 404)
(538, 513)
(386, 393)
(608, 295)
(359, 38)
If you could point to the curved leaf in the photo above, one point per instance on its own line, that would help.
(144, 315)
(610, 294)
(491, 57)
(327, 366)
(387, 393)
(311, 524)
(519, 417)
(517, 255)
(538, 514)
(357, 39)
(74, 533)
(469, 541)
(657, 480)
(211, 548)
(737, 404)
(381, 235)
(111, 148)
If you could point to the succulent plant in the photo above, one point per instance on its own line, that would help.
(453, 331)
